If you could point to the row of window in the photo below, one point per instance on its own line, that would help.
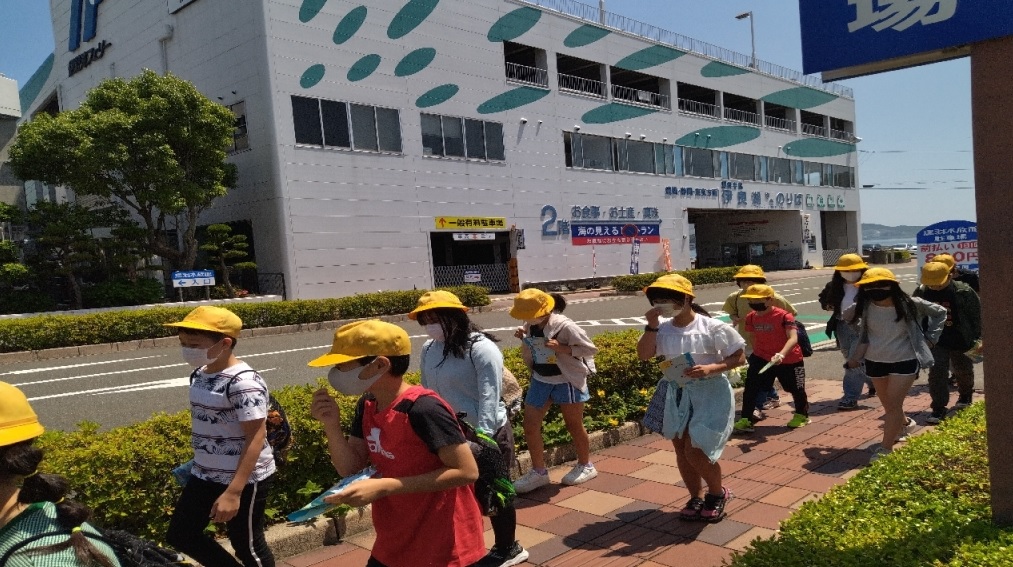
(345, 125)
(585, 151)
(451, 136)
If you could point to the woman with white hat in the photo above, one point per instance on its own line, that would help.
(33, 503)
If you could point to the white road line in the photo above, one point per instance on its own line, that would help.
(83, 364)
(154, 385)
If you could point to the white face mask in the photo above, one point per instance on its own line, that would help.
(435, 332)
(347, 381)
(666, 309)
(198, 357)
(851, 277)
(536, 322)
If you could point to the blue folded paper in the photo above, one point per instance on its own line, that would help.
(318, 506)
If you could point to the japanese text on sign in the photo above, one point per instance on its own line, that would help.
(195, 278)
(475, 223)
(614, 233)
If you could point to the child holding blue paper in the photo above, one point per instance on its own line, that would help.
(693, 405)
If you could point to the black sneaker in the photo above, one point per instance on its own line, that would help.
(498, 557)
(962, 402)
(872, 392)
(936, 417)
(847, 405)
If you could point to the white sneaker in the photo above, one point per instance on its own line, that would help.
(906, 431)
(530, 481)
(580, 473)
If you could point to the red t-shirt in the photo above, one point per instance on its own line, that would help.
(420, 529)
(770, 332)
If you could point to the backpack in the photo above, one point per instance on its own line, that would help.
(130, 550)
(493, 489)
(279, 430)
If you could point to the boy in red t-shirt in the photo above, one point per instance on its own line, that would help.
(775, 343)
(424, 507)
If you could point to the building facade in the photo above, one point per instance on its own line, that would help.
(398, 144)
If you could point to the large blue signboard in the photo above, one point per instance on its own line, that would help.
(958, 238)
(847, 38)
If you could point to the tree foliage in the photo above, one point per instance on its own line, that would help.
(224, 252)
(153, 144)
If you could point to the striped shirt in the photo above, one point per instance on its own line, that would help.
(40, 518)
(216, 420)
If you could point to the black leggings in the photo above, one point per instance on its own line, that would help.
(504, 524)
(791, 377)
(246, 530)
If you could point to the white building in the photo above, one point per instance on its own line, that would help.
(393, 144)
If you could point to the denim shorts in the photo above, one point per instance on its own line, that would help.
(875, 369)
(539, 394)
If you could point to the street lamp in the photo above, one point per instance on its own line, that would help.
(752, 34)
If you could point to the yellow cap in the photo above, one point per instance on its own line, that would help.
(758, 291)
(945, 259)
(365, 338)
(435, 300)
(850, 263)
(532, 304)
(215, 319)
(750, 272)
(935, 273)
(18, 421)
(873, 275)
(674, 282)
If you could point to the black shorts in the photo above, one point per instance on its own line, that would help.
(875, 369)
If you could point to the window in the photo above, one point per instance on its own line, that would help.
(240, 139)
(813, 173)
(342, 125)
(779, 170)
(636, 156)
(449, 136)
(842, 176)
(698, 162)
(596, 152)
(741, 166)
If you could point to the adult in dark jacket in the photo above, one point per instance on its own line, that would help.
(962, 330)
(838, 295)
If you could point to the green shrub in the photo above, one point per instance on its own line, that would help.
(697, 277)
(123, 292)
(926, 504)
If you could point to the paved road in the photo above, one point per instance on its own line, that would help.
(122, 388)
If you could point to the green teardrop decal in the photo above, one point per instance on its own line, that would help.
(511, 99)
(585, 35)
(310, 9)
(363, 67)
(311, 76)
(410, 17)
(719, 137)
(613, 112)
(815, 147)
(438, 95)
(649, 57)
(349, 25)
(515, 24)
(718, 69)
(800, 97)
(415, 61)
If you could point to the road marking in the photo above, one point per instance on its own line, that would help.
(154, 385)
(83, 364)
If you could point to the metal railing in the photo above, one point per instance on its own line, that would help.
(581, 85)
(814, 130)
(637, 96)
(779, 123)
(841, 135)
(702, 108)
(614, 21)
(736, 115)
(527, 75)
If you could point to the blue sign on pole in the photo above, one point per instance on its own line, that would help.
(957, 238)
(847, 38)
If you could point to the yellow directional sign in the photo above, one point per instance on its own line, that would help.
(470, 223)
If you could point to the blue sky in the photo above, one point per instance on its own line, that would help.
(915, 124)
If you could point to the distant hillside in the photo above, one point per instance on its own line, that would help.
(883, 232)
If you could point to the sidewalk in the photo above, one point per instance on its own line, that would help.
(628, 515)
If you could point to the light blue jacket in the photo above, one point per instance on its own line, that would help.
(471, 384)
(931, 315)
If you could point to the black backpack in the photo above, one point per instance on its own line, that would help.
(493, 489)
(130, 550)
(279, 430)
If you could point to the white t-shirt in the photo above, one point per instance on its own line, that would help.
(888, 338)
(217, 437)
(709, 340)
(850, 292)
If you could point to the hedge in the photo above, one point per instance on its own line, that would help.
(925, 504)
(54, 331)
(697, 277)
(124, 473)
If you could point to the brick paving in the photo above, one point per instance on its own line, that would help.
(628, 515)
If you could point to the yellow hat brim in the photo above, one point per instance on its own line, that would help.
(18, 433)
(752, 296)
(875, 279)
(522, 314)
(679, 289)
(198, 327)
(331, 360)
(435, 305)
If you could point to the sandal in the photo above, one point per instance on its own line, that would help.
(691, 511)
(714, 506)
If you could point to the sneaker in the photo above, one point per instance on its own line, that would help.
(847, 405)
(497, 557)
(878, 455)
(580, 474)
(872, 392)
(904, 433)
(714, 506)
(962, 402)
(936, 417)
(744, 425)
(530, 481)
(798, 420)
(772, 403)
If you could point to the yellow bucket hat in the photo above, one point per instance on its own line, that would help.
(365, 338)
(215, 319)
(850, 263)
(945, 259)
(18, 421)
(750, 272)
(436, 299)
(758, 291)
(873, 275)
(673, 282)
(532, 304)
(935, 273)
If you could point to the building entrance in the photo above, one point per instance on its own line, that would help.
(480, 258)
